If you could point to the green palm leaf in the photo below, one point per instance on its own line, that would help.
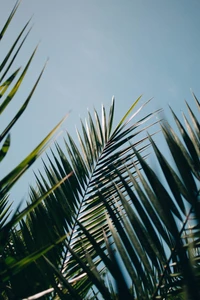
(95, 163)
(16, 253)
(158, 255)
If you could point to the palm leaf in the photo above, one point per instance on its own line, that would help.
(143, 216)
(76, 201)
(15, 236)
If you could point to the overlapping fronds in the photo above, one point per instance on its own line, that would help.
(128, 233)
(153, 250)
(102, 156)
(101, 223)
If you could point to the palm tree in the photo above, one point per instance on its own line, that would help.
(101, 224)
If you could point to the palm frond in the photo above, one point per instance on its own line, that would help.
(125, 221)
(101, 159)
(12, 226)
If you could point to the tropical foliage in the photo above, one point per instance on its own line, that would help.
(101, 223)
(127, 234)
(9, 85)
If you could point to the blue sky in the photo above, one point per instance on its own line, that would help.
(98, 49)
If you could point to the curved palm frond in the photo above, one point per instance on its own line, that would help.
(133, 234)
(9, 85)
(102, 154)
(154, 245)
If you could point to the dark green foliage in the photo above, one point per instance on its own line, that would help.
(101, 224)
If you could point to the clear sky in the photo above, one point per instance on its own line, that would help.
(97, 49)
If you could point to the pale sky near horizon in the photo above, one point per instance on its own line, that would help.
(98, 49)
